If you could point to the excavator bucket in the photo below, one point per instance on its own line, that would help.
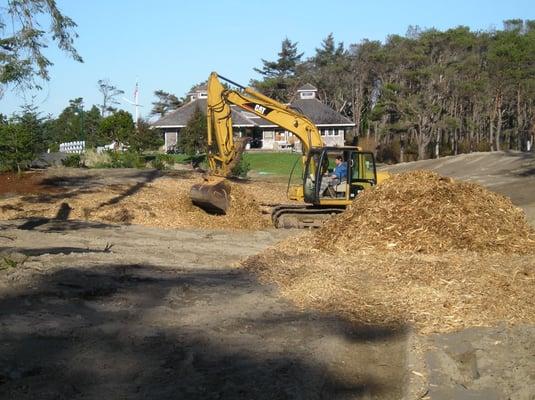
(212, 197)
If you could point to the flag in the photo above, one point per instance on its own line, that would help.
(135, 93)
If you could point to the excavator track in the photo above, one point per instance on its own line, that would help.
(302, 216)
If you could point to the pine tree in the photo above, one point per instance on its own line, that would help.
(16, 146)
(192, 138)
(279, 76)
(164, 103)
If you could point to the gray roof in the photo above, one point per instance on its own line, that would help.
(307, 87)
(181, 116)
(318, 112)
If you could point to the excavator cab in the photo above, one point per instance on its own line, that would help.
(334, 176)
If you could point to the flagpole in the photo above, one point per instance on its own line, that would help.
(136, 101)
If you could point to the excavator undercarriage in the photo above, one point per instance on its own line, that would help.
(301, 216)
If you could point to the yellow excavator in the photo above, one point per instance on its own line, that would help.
(318, 197)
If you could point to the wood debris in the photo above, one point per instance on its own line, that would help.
(163, 203)
(419, 250)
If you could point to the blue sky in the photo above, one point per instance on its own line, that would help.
(172, 45)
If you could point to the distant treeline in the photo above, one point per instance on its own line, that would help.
(425, 94)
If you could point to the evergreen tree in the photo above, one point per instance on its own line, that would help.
(91, 123)
(117, 127)
(164, 103)
(192, 138)
(69, 126)
(145, 138)
(279, 76)
(17, 146)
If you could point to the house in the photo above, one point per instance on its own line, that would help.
(265, 135)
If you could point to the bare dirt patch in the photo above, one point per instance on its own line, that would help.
(93, 310)
(96, 311)
(12, 184)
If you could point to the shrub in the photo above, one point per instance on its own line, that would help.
(388, 153)
(464, 146)
(127, 159)
(483, 146)
(73, 161)
(367, 144)
(158, 163)
(92, 159)
(113, 159)
(242, 168)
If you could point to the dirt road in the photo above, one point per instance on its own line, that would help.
(96, 311)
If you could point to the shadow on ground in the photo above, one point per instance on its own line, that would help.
(141, 331)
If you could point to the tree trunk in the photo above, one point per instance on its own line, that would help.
(437, 145)
(499, 129)
(422, 140)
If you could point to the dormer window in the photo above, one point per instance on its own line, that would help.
(307, 92)
(199, 92)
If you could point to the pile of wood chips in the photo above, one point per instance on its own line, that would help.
(423, 212)
(419, 250)
(163, 203)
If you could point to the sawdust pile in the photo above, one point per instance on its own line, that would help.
(418, 260)
(424, 212)
(163, 203)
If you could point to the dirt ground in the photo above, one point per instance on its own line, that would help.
(98, 311)
(91, 309)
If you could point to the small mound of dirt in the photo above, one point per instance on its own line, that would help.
(424, 212)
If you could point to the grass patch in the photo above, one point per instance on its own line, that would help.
(273, 163)
(179, 158)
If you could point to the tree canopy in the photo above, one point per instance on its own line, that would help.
(427, 93)
(24, 38)
(279, 76)
(164, 103)
(192, 138)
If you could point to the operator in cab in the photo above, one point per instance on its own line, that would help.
(339, 174)
(331, 179)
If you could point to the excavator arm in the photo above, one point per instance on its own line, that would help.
(223, 152)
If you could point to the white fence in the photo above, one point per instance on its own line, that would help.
(72, 147)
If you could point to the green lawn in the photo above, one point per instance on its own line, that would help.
(273, 163)
(263, 164)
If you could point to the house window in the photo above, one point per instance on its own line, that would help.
(268, 135)
(307, 95)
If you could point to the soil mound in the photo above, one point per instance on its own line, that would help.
(424, 212)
